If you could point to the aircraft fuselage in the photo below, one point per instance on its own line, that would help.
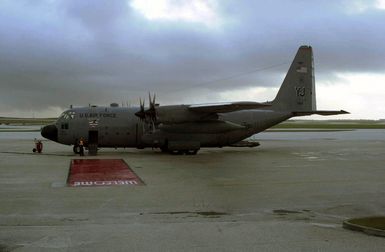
(119, 127)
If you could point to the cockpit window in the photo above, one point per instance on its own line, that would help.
(71, 114)
(67, 115)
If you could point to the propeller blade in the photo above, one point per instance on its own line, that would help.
(149, 99)
(152, 100)
(141, 113)
(141, 104)
(149, 115)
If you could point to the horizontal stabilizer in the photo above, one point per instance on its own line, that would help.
(226, 107)
(320, 112)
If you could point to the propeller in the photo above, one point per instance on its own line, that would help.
(149, 115)
(141, 113)
(151, 112)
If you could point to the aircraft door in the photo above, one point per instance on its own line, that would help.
(93, 139)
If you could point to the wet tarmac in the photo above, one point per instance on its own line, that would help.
(285, 195)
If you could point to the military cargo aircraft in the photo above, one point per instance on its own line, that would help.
(184, 129)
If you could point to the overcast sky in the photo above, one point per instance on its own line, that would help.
(54, 53)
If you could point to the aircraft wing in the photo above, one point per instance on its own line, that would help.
(320, 112)
(226, 107)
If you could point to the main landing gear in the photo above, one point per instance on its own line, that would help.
(184, 152)
(76, 149)
(180, 147)
(180, 152)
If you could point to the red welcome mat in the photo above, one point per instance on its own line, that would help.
(101, 172)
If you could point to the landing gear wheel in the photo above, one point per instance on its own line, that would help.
(191, 152)
(163, 149)
(176, 152)
(183, 152)
(76, 149)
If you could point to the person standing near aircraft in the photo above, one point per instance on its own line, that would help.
(38, 146)
(81, 147)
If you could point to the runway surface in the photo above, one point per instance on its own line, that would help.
(285, 195)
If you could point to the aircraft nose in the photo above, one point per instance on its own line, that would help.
(49, 132)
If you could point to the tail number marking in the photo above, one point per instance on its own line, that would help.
(300, 91)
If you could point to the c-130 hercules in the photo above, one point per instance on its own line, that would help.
(187, 128)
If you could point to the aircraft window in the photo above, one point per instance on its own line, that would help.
(67, 115)
(61, 116)
(64, 125)
(72, 114)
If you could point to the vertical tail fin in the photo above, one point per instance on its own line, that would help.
(297, 92)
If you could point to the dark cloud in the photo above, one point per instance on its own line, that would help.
(56, 53)
(96, 14)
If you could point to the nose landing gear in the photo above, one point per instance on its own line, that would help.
(76, 149)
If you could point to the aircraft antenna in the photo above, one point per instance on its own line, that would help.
(234, 76)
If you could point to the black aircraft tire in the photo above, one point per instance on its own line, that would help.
(176, 152)
(76, 149)
(183, 152)
(191, 152)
